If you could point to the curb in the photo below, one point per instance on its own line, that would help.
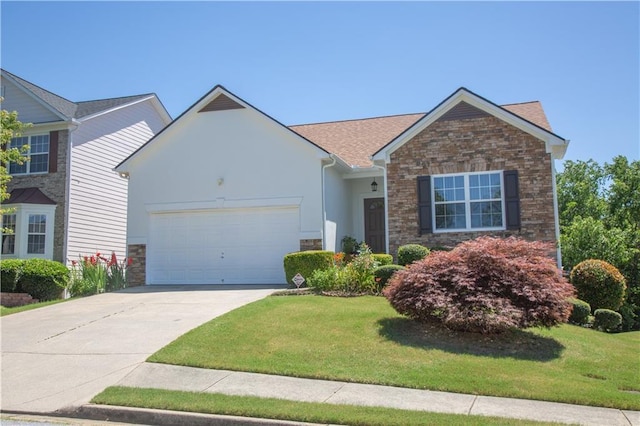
(167, 417)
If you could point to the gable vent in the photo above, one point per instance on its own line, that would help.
(463, 111)
(221, 103)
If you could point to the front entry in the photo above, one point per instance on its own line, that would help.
(374, 230)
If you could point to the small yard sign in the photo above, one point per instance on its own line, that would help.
(298, 280)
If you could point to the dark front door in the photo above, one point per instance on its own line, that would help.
(374, 234)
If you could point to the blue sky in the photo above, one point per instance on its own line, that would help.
(304, 62)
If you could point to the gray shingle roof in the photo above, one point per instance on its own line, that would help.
(69, 109)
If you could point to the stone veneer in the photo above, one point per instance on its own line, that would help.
(311, 244)
(53, 185)
(470, 145)
(136, 272)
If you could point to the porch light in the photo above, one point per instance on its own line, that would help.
(374, 185)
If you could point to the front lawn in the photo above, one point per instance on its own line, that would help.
(14, 310)
(269, 408)
(364, 340)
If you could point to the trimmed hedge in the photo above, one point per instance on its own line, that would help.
(44, 279)
(607, 320)
(599, 283)
(383, 274)
(383, 259)
(410, 253)
(305, 262)
(10, 271)
(580, 312)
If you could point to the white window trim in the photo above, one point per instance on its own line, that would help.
(467, 203)
(22, 212)
(28, 154)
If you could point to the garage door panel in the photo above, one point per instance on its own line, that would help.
(244, 246)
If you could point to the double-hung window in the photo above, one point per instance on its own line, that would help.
(38, 153)
(9, 239)
(37, 233)
(469, 201)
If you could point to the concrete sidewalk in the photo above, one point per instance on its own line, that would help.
(160, 376)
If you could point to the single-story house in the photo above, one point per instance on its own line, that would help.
(67, 201)
(221, 194)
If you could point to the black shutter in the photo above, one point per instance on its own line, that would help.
(53, 152)
(424, 205)
(512, 199)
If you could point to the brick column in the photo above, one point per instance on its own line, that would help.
(136, 273)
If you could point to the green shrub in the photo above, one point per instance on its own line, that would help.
(599, 283)
(409, 253)
(607, 320)
(355, 277)
(10, 271)
(382, 259)
(44, 279)
(384, 272)
(349, 245)
(305, 262)
(580, 312)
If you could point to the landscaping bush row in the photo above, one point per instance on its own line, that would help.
(41, 278)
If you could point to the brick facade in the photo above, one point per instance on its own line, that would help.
(312, 244)
(470, 145)
(136, 272)
(53, 185)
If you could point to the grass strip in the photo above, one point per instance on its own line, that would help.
(363, 340)
(270, 408)
(14, 310)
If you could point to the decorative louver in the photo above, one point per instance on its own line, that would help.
(221, 103)
(463, 111)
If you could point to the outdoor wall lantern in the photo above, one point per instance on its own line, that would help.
(374, 185)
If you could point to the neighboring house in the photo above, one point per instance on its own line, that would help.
(225, 191)
(67, 200)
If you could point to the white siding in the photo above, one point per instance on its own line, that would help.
(223, 159)
(30, 110)
(97, 195)
(338, 205)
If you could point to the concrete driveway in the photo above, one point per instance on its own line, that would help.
(62, 355)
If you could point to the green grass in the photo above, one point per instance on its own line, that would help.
(8, 311)
(269, 408)
(364, 340)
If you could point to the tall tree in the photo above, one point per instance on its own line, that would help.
(10, 127)
(580, 191)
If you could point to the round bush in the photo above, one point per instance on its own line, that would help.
(383, 274)
(487, 285)
(580, 313)
(382, 259)
(305, 262)
(599, 283)
(410, 253)
(10, 271)
(607, 320)
(44, 279)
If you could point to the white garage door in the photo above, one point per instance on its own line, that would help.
(243, 246)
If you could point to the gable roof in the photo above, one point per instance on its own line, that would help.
(216, 99)
(68, 110)
(355, 141)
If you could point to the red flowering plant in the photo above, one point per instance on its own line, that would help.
(96, 274)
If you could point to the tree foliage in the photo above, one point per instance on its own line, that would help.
(10, 127)
(599, 210)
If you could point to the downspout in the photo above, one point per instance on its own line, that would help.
(556, 214)
(324, 210)
(74, 124)
(386, 207)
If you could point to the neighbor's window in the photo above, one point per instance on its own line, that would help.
(9, 240)
(38, 153)
(470, 201)
(36, 234)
